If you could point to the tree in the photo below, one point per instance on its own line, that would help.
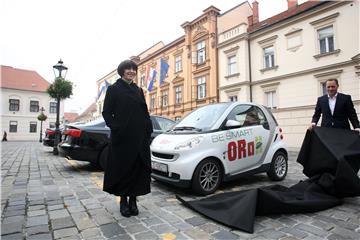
(60, 89)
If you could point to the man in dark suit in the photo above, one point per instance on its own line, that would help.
(335, 108)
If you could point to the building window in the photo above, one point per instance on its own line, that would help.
(323, 88)
(34, 106)
(269, 57)
(326, 39)
(51, 125)
(165, 98)
(52, 107)
(201, 88)
(178, 94)
(178, 63)
(200, 47)
(271, 99)
(13, 126)
(152, 102)
(33, 127)
(142, 80)
(231, 65)
(14, 104)
(233, 98)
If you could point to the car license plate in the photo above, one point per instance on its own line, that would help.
(159, 166)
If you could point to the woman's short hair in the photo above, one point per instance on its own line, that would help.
(127, 64)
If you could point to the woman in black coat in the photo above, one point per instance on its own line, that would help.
(125, 112)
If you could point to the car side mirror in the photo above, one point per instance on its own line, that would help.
(232, 124)
(266, 125)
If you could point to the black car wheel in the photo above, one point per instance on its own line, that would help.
(279, 166)
(103, 157)
(207, 177)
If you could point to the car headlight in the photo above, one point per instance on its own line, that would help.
(190, 143)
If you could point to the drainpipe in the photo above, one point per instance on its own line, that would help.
(250, 78)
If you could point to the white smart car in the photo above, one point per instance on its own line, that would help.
(217, 143)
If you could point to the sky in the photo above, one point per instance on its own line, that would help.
(93, 36)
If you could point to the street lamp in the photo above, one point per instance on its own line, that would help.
(42, 109)
(58, 69)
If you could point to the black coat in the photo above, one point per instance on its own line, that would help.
(343, 112)
(128, 168)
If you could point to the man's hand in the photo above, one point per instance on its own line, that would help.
(358, 130)
(312, 125)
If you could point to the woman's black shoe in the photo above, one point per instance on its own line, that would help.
(134, 211)
(124, 208)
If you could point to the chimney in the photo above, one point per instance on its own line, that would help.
(250, 20)
(255, 6)
(292, 3)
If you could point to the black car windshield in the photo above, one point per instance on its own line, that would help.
(96, 123)
(202, 119)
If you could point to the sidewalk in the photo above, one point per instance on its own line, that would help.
(48, 197)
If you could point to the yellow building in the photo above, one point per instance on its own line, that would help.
(191, 80)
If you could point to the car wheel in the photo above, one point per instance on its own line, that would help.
(278, 167)
(103, 157)
(207, 177)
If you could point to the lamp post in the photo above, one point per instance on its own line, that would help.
(58, 69)
(41, 120)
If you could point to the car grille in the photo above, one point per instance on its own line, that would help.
(162, 155)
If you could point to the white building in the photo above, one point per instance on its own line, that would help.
(289, 57)
(23, 94)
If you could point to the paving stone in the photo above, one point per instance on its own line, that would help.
(14, 213)
(162, 228)
(60, 223)
(65, 232)
(61, 213)
(346, 234)
(91, 233)
(149, 235)
(9, 228)
(111, 230)
(152, 221)
(210, 228)
(225, 235)
(15, 236)
(294, 232)
(14, 219)
(42, 236)
(37, 230)
(197, 234)
(311, 229)
(196, 221)
(272, 234)
(36, 213)
(38, 220)
(135, 228)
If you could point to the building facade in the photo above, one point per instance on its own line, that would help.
(289, 58)
(281, 62)
(191, 78)
(23, 95)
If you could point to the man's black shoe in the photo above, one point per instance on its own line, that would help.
(124, 209)
(133, 208)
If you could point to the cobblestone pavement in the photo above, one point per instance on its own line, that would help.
(49, 197)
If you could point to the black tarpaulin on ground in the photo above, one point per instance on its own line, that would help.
(331, 160)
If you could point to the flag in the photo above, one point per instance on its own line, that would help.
(164, 67)
(151, 78)
(103, 87)
(147, 75)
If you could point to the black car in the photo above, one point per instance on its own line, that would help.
(49, 138)
(89, 142)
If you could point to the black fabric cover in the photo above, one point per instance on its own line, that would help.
(331, 160)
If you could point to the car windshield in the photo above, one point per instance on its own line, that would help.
(96, 123)
(202, 119)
